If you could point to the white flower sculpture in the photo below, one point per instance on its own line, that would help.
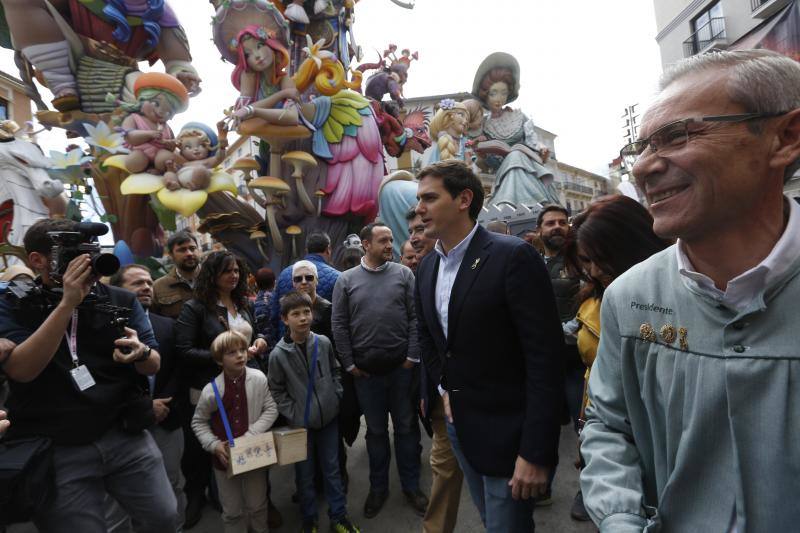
(69, 167)
(103, 138)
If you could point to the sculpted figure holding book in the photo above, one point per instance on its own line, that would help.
(509, 146)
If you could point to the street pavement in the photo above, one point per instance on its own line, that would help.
(396, 516)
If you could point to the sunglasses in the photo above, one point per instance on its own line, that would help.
(308, 278)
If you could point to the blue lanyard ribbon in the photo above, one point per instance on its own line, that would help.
(222, 413)
(310, 388)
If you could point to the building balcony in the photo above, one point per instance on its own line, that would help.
(763, 9)
(708, 37)
(576, 187)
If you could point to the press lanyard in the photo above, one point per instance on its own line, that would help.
(310, 388)
(72, 339)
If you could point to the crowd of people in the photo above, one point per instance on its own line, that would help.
(662, 335)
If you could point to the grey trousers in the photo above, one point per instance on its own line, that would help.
(128, 467)
(170, 442)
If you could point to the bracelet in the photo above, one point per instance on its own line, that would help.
(144, 357)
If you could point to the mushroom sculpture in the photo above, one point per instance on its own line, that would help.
(294, 231)
(256, 236)
(300, 161)
(249, 167)
(320, 194)
(273, 189)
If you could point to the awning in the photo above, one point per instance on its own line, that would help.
(780, 33)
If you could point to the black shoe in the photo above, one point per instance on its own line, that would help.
(417, 500)
(374, 503)
(274, 516)
(310, 527)
(194, 511)
(578, 511)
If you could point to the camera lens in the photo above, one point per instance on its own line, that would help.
(105, 264)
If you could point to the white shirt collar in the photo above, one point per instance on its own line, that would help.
(747, 285)
(458, 251)
(368, 268)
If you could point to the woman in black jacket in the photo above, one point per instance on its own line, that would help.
(219, 304)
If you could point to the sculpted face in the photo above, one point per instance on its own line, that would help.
(458, 123)
(193, 148)
(497, 96)
(158, 109)
(259, 56)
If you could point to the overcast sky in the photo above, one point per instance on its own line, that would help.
(582, 62)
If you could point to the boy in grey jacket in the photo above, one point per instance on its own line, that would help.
(305, 382)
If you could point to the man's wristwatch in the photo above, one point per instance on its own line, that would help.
(144, 357)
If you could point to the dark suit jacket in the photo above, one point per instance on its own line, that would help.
(501, 361)
(167, 379)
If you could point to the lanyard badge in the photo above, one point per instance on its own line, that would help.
(80, 374)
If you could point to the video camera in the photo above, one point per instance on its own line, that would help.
(67, 245)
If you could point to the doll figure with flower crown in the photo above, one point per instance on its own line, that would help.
(447, 130)
(201, 150)
(266, 91)
(159, 97)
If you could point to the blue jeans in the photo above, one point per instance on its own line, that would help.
(126, 466)
(323, 446)
(379, 396)
(500, 513)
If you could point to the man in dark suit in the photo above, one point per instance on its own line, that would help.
(491, 342)
(164, 386)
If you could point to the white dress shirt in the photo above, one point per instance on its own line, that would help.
(748, 285)
(742, 289)
(449, 263)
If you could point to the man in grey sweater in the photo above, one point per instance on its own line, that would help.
(375, 330)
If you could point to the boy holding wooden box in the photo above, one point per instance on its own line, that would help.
(248, 410)
(305, 381)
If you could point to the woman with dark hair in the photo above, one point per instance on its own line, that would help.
(612, 235)
(219, 304)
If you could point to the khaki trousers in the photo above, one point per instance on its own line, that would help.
(442, 511)
(244, 501)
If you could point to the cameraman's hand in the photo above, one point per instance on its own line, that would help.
(77, 281)
(131, 340)
(4, 424)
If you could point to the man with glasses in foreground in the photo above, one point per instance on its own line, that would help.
(692, 410)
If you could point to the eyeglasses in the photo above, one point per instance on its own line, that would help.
(308, 278)
(676, 134)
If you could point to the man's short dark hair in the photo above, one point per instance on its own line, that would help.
(318, 242)
(36, 239)
(180, 237)
(457, 177)
(550, 209)
(119, 276)
(366, 232)
(265, 279)
(294, 300)
(411, 213)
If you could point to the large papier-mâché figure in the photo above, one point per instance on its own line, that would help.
(63, 40)
(509, 146)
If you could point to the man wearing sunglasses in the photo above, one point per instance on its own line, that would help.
(692, 410)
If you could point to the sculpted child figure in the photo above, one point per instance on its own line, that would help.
(201, 150)
(151, 141)
(266, 91)
(447, 128)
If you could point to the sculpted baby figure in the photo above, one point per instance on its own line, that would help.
(201, 150)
